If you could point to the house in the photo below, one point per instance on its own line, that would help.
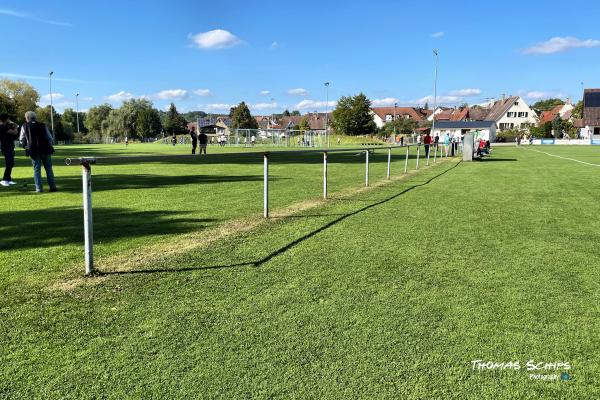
(591, 113)
(453, 114)
(564, 111)
(383, 115)
(511, 113)
(485, 130)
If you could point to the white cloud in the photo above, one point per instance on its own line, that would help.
(215, 39)
(312, 105)
(440, 100)
(18, 14)
(558, 44)
(172, 94)
(55, 97)
(264, 106)
(264, 93)
(465, 92)
(437, 34)
(537, 95)
(298, 92)
(388, 101)
(216, 107)
(120, 96)
(202, 92)
(42, 78)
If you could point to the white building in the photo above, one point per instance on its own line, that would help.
(512, 113)
(485, 130)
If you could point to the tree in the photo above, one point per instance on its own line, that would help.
(95, 118)
(295, 113)
(7, 106)
(557, 126)
(68, 120)
(241, 117)
(192, 116)
(404, 126)
(175, 123)
(147, 123)
(544, 105)
(304, 124)
(542, 131)
(286, 113)
(578, 110)
(352, 116)
(426, 106)
(24, 96)
(43, 115)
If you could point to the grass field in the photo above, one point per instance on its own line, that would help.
(389, 292)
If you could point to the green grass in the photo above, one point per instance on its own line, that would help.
(387, 293)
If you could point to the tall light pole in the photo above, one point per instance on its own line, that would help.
(77, 107)
(272, 110)
(435, 51)
(327, 111)
(51, 106)
(394, 122)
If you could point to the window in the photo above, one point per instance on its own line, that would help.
(516, 103)
(388, 117)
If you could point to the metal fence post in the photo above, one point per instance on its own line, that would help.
(266, 185)
(406, 161)
(428, 152)
(325, 175)
(367, 167)
(418, 155)
(435, 154)
(389, 161)
(88, 226)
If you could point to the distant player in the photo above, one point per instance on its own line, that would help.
(203, 139)
(194, 137)
(126, 141)
(174, 140)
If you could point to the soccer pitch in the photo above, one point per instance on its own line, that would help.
(395, 291)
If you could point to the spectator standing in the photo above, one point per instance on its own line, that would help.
(194, 137)
(8, 135)
(203, 139)
(427, 143)
(37, 141)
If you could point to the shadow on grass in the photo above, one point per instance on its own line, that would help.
(64, 225)
(485, 159)
(281, 250)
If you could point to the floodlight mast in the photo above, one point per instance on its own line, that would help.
(435, 51)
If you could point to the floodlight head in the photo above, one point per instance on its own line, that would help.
(51, 73)
(435, 51)
(326, 83)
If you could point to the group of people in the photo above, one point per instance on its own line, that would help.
(38, 143)
(450, 143)
(202, 137)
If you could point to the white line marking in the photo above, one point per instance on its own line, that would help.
(566, 158)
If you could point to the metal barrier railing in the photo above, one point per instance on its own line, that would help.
(87, 162)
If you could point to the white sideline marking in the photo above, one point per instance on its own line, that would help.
(566, 158)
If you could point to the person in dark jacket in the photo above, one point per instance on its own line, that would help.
(194, 137)
(203, 142)
(37, 141)
(8, 135)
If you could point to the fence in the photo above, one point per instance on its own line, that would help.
(86, 167)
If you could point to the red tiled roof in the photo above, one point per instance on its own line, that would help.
(412, 112)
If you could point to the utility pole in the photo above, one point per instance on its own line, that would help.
(51, 106)
(327, 112)
(77, 108)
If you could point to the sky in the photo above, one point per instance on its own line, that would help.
(276, 55)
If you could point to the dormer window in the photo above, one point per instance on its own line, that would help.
(388, 117)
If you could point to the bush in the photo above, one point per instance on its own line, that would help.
(509, 135)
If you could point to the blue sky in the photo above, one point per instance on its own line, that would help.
(274, 55)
